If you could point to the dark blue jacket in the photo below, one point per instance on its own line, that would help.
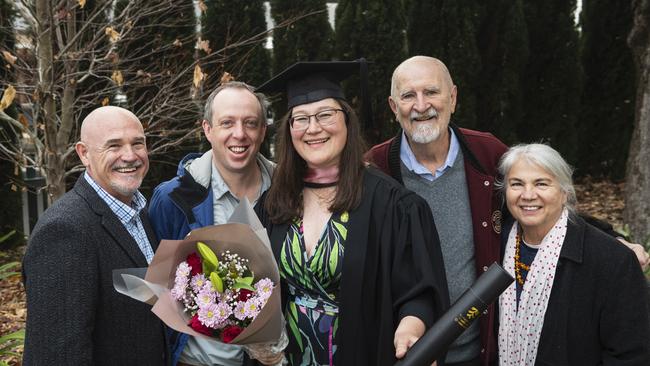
(181, 205)
(177, 207)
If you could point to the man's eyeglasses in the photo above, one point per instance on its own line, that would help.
(323, 118)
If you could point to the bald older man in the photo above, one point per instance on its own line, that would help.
(454, 169)
(74, 316)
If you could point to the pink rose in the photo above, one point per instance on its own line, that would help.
(230, 332)
(195, 262)
(199, 327)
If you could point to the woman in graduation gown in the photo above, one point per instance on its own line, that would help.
(359, 257)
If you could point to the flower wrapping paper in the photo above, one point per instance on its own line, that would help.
(244, 235)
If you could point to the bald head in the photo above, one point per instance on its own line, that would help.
(96, 120)
(419, 62)
(114, 151)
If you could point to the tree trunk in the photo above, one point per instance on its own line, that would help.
(637, 192)
(47, 114)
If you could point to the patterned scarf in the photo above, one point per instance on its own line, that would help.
(520, 330)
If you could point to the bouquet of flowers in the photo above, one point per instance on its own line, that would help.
(219, 292)
(219, 282)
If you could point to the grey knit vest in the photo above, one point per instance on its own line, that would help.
(449, 201)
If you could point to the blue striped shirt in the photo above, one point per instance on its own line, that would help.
(129, 216)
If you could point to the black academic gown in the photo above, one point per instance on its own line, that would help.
(392, 268)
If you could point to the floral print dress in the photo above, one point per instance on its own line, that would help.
(313, 289)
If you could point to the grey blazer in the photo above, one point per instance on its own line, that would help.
(74, 316)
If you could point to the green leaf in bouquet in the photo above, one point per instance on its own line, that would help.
(217, 282)
(246, 280)
(209, 259)
(243, 285)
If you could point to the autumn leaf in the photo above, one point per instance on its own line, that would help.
(177, 43)
(7, 98)
(112, 34)
(113, 57)
(82, 3)
(117, 77)
(202, 6)
(203, 45)
(23, 120)
(199, 76)
(9, 57)
(105, 101)
(226, 77)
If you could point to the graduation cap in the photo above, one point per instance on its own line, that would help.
(311, 81)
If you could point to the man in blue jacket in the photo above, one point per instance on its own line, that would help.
(208, 187)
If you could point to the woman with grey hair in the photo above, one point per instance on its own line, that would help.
(576, 298)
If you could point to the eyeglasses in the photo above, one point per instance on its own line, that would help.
(323, 118)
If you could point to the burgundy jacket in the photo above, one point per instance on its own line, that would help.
(481, 152)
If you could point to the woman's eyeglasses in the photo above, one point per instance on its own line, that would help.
(323, 118)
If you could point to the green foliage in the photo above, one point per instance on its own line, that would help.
(8, 344)
(160, 46)
(6, 270)
(227, 22)
(9, 195)
(309, 38)
(447, 30)
(503, 45)
(6, 37)
(374, 29)
(552, 81)
(607, 116)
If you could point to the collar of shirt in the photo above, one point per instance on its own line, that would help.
(411, 162)
(123, 211)
(220, 188)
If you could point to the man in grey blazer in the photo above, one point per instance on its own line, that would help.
(74, 316)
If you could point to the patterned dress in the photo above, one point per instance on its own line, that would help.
(313, 286)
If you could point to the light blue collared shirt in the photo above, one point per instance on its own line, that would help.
(411, 162)
(129, 215)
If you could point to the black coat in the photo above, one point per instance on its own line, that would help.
(74, 316)
(598, 310)
(392, 267)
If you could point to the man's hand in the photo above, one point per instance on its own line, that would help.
(409, 330)
(639, 250)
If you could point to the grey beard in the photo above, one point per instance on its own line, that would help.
(425, 133)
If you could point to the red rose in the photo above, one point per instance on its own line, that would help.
(230, 332)
(244, 294)
(197, 326)
(195, 262)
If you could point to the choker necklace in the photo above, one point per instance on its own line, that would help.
(518, 264)
(319, 185)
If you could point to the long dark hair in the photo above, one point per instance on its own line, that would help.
(284, 198)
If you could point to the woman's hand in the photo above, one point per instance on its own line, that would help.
(275, 359)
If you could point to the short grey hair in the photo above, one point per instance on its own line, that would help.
(546, 158)
(261, 98)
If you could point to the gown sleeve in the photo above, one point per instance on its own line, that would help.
(418, 280)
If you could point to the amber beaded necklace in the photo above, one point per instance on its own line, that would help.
(518, 264)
